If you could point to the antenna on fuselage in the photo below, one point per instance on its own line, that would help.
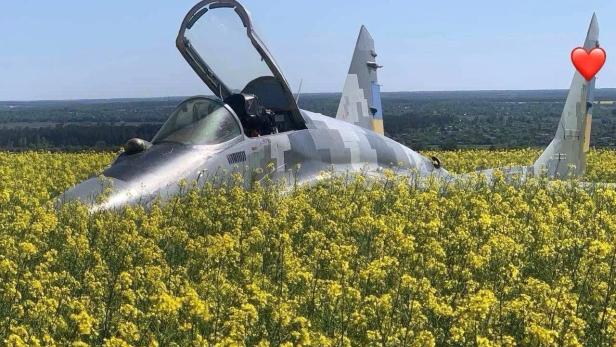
(299, 90)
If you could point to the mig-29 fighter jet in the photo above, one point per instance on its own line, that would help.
(254, 127)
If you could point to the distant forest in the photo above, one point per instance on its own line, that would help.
(421, 120)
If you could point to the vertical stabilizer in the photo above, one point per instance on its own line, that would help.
(566, 154)
(361, 97)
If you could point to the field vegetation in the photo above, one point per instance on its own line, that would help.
(342, 263)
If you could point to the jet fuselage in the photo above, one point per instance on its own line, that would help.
(296, 157)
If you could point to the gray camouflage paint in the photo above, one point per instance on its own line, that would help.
(566, 154)
(360, 103)
(297, 157)
(300, 156)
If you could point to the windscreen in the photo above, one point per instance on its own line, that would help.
(199, 121)
(220, 39)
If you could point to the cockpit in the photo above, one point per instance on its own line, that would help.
(218, 41)
(206, 120)
(199, 121)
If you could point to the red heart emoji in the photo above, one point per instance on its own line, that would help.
(588, 63)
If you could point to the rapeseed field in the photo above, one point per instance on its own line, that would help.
(342, 263)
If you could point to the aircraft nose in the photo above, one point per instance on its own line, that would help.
(95, 192)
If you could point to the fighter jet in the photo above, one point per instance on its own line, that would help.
(253, 127)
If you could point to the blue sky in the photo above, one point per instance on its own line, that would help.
(69, 49)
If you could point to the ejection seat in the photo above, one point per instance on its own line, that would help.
(249, 110)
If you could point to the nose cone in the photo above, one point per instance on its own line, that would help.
(101, 193)
(143, 177)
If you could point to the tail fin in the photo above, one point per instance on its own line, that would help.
(566, 154)
(361, 97)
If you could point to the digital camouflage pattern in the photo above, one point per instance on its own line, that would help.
(310, 145)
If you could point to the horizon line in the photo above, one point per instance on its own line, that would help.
(306, 93)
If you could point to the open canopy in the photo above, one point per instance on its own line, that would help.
(218, 41)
